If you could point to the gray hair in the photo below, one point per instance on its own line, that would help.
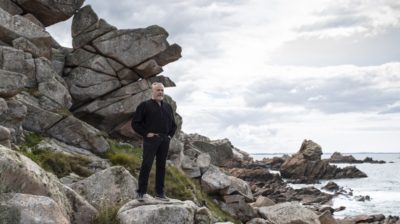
(154, 84)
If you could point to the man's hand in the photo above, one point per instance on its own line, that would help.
(151, 135)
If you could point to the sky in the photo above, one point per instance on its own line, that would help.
(267, 74)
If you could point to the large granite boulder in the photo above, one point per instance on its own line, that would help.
(25, 208)
(50, 12)
(15, 26)
(124, 45)
(307, 166)
(288, 213)
(19, 174)
(111, 187)
(221, 152)
(78, 133)
(155, 211)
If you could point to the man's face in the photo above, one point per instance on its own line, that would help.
(157, 92)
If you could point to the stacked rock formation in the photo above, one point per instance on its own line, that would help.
(109, 71)
(307, 166)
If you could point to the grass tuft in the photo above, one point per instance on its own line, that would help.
(107, 215)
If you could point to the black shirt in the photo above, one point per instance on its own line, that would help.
(152, 117)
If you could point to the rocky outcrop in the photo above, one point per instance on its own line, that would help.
(306, 165)
(49, 12)
(154, 211)
(109, 71)
(337, 157)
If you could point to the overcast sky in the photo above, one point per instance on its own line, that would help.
(267, 74)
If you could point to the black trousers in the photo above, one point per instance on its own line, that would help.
(155, 147)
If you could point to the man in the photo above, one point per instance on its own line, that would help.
(154, 120)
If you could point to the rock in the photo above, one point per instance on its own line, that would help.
(83, 211)
(190, 167)
(310, 150)
(311, 195)
(263, 202)
(123, 45)
(240, 210)
(51, 85)
(11, 7)
(203, 162)
(238, 186)
(154, 211)
(13, 117)
(255, 175)
(172, 53)
(175, 153)
(5, 137)
(78, 133)
(50, 12)
(221, 153)
(11, 83)
(85, 84)
(203, 216)
(108, 117)
(21, 43)
(26, 208)
(12, 27)
(20, 62)
(37, 119)
(326, 218)
(337, 157)
(331, 186)
(82, 20)
(370, 160)
(307, 166)
(148, 69)
(111, 187)
(258, 221)
(77, 57)
(214, 180)
(33, 19)
(3, 105)
(127, 76)
(288, 212)
(94, 31)
(100, 64)
(19, 174)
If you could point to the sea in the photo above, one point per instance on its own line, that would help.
(382, 185)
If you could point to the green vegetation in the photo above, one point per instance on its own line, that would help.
(57, 163)
(124, 155)
(107, 216)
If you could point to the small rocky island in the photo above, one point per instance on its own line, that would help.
(69, 156)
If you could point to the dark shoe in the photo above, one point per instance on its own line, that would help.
(140, 197)
(161, 197)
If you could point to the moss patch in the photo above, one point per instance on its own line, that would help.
(107, 216)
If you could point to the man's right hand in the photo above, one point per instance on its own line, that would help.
(151, 135)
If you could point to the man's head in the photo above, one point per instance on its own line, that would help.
(157, 91)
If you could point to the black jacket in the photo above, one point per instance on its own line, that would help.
(151, 117)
